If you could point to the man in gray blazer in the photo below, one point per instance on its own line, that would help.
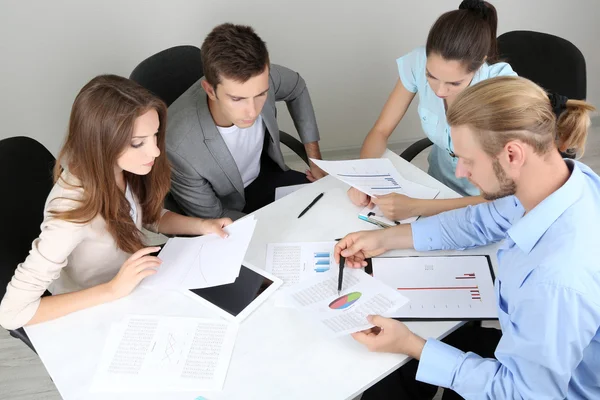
(222, 133)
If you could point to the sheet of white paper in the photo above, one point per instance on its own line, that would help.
(283, 191)
(226, 255)
(295, 262)
(343, 314)
(204, 261)
(456, 287)
(375, 177)
(72, 346)
(152, 353)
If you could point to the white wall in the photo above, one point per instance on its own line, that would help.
(344, 49)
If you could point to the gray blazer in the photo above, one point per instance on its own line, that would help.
(205, 180)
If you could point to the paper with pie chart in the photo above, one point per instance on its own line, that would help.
(344, 313)
(154, 353)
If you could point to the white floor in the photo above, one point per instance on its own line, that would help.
(22, 375)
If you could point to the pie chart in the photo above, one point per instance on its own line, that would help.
(345, 301)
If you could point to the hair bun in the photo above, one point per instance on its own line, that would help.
(558, 103)
(477, 6)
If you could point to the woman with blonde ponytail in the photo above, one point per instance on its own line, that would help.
(546, 211)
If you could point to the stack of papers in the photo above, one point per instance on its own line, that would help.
(203, 261)
(152, 354)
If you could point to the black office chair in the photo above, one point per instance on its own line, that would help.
(26, 173)
(169, 73)
(552, 62)
(416, 148)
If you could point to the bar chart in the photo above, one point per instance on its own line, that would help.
(321, 261)
(454, 287)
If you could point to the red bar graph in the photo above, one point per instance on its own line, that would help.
(473, 290)
(439, 288)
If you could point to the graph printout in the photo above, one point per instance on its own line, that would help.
(346, 312)
(295, 262)
(375, 177)
(452, 288)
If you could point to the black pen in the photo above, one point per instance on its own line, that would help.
(311, 204)
(341, 274)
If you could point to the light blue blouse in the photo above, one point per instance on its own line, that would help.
(432, 114)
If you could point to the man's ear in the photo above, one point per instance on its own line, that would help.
(515, 154)
(208, 88)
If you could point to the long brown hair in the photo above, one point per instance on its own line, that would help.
(509, 108)
(467, 35)
(100, 130)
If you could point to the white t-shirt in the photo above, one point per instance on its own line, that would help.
(245, 145)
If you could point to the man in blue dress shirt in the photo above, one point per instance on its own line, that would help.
(546, 210)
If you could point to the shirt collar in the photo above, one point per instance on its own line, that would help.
(482, 71)
(529, 229)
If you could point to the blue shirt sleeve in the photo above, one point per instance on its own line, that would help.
(530, 364)
(467, 227)
(411, 68)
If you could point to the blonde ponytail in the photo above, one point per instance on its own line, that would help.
(509, 108)
(572, 127)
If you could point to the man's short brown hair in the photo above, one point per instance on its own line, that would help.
(233, 52)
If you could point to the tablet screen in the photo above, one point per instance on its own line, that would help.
(235, 297)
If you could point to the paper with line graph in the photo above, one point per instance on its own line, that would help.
(441, 288)
(153, 353)
(375, 177)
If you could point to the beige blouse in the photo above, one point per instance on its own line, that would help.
(66, 257)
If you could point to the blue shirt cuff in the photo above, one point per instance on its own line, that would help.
(438, 363)
(427, 234)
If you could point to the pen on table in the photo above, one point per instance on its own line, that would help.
(341, 274)
(311, 204)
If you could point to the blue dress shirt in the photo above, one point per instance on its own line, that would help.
(547, 290)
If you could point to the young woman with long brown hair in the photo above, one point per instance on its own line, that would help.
(111, 178)
(460, 51)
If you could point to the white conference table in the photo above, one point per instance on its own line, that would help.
(278, 355)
